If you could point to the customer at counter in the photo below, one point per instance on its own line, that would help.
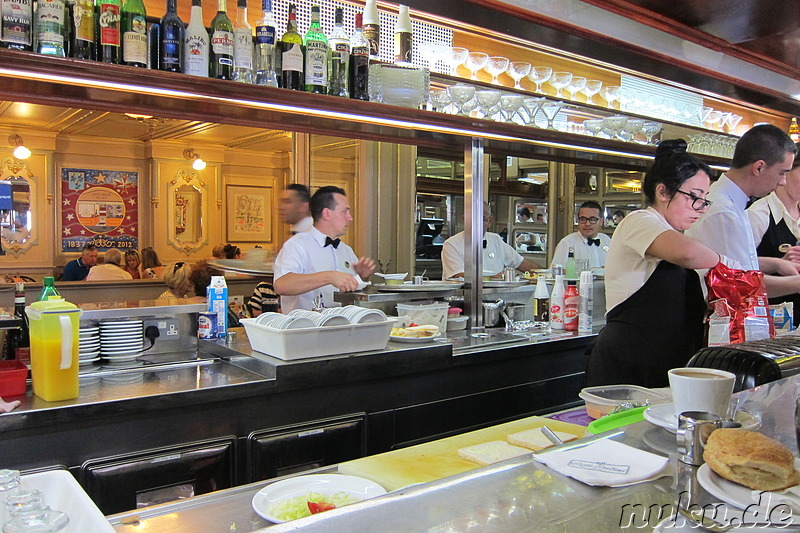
(78, 269)
(294, 208)
(110, 270)
(151, 265)
(654, 298)
(588, 243)
(314, 263)
(762, 158)
(176, 277)
(497, 255)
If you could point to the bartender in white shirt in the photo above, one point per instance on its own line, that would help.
(588, 243)
(496, 253)
(314, 263)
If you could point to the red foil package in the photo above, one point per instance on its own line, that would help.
(739, 309)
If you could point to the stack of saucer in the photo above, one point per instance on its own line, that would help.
(121, 340)
(88, 345)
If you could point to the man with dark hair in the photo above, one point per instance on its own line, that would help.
(587, 243)
(761, 159)
(313, 264)
(293, 208)
(78, 269)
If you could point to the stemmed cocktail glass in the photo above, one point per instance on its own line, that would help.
(495, 67)
(593, 126)
(651, 129)
(559, 80)
(510, 104)
(576, 84)
(461, 94)
(539, 75)
(487, 99)
(550, 110)
(458, 56)
(532, 104)
(611, 94)
(432, 52)
(518, 70)
(591, 88)
(475, 62)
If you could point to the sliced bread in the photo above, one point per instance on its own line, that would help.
(491, 452)
(534, 439)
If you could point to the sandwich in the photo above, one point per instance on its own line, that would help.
(751, 459)
(491, 452)
(416, 331)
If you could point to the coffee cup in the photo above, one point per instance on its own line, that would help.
(701, 389)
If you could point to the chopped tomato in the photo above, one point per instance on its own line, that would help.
(413, 325)
(318, 507)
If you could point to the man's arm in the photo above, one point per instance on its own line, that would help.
(527, 265)
(452, 261)
(292, 284)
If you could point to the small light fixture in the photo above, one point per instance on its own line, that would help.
(197, 162)
(20, 151)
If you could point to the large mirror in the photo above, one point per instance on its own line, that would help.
(187, 210)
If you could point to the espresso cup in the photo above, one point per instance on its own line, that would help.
(701, 389)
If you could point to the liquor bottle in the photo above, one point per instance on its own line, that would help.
(372, 28)
(109, 14)
(48, 290)
(16, 27)
(197, 43)
(22, 350)
(794, 130)
(572, 302)
(172, 37)
(292, 54)
(571, 267)
(402, 38)
(154, 45)
(242, 45)
(134, 34)
(557, 303)
(340, 57)
(317, 55)
(359, 62)
(266, 54)
(541, 301)
(221, 57)
(82, 23)
(51, 16)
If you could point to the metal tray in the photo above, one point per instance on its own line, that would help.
(501, 284)
(427, 286)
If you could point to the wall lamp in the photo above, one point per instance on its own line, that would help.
(194, 157)
(20, 151)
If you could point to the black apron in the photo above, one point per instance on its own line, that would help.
(776, 235)
(657, 328)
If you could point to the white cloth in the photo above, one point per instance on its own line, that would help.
(628, 267)
(596, 255)
(725, 227)
(302, 226)
(605, 463)
(496, 256)
(770, 207)
(107, 272)
(306, 253)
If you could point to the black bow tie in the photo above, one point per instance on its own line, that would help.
(590, 242)
(484, 243)
(332, 242)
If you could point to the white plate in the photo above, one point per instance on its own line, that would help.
(663, 415)
(359, 488)
(414, 339)
(87, 355)
(129, 357)
(120, 322)
(82, 362)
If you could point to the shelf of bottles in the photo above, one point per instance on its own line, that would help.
(347, 65)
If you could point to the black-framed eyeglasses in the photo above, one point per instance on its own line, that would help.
(177, 266)
(590, 220)
(698, 204)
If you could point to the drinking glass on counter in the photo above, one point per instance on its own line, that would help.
(476, 61)
(496, 66)
(591, 88)
(559, 80)
(518, 70)
(539, 75)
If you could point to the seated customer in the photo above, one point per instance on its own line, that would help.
(588, 243)
(176, 276)
(151, 265)
(232, 252)
(133, 264)
(110, 270)
(78, 269)
(263, 300)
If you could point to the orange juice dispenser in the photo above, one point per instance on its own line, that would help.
(54, 348)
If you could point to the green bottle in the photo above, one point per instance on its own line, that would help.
(51, 17)
(48, 290)
(571, 268)
(317, 55)
(134, 34)
(221, 57)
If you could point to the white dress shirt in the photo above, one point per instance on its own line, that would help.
(725, 227)
(107, 272)
(496, 256)
(596, 255)
(304, 225)
(306, 253)
(770, 206)
(628, 267)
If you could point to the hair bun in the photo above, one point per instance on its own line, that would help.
(671, 147)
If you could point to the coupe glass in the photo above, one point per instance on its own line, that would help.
(559, 80)
(591, 88)
(495, 67)
(487, 99)
(614, 124)
(475, 62)
(576, 84)
(713, 119)
(631, 128)
(531, 104)
(518, 70)
(625, 99)
(458, 56)
(611, 94)
(432, 52)
(732, 122)
(539, 75)
(593, 126)
(461, 94)
(550, 110)
(440, 99)
(510, 104)
(651, 129)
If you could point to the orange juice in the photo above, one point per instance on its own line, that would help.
(54, 349)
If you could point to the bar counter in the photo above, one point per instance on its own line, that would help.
(515, 495)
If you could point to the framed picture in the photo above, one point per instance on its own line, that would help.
(616, 211)
(249, 213)
(528, 212)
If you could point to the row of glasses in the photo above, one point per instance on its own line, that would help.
(711, 144)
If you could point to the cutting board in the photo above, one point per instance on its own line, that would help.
(434, 460)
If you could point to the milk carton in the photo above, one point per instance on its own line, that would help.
(217, 297)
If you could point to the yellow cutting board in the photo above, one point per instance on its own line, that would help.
(438, 459)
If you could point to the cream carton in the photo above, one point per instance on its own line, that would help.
(217, 297)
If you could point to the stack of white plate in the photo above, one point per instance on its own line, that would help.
(121, 340)
(88, 345)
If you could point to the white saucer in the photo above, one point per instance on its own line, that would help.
(120, 323)
(128, 357)
(663, 415)
(82, 362)
(88, 355)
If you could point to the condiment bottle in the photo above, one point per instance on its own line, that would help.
(572, 301)
(587, 301)
(371, 28)
(402, 38)
(571, 267)
(541, 301)
(557, 304)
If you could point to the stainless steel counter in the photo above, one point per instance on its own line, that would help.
(515, 495)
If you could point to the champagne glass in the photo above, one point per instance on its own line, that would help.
(550, 110)
(440, 99)
(461, 93)
(458, 56)
(532, 104)
(614, 124)
(631, 128)
(576, 84)
(611, 94)
(733, 121)
(651, 129)
(510, 103)
(591, 88)
(475, 62)
(593, 126)
(539, 75)
(713, 119)
(559, 80)
(487, 99)
(518, 70)
(495, 67)
(431, 52)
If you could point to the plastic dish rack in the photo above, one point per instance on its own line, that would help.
(303, 343)
(63, 493)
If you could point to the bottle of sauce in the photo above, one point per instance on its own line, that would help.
(402, 38)
(541, 302)
(572, 302)
(557, 304)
